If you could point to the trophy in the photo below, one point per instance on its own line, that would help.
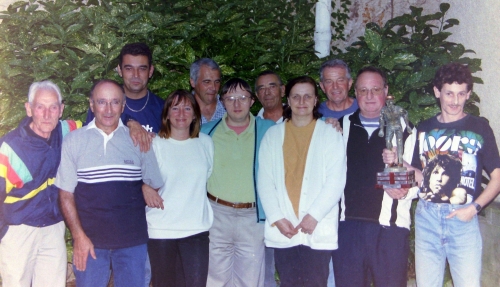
(394, 175)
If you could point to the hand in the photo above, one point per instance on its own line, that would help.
(151, 196)
(397, 193)
(464, 214)
(140, 136)
(307, 225)
(286, 227)
(335, 123)
(82, 246)
(390, 156)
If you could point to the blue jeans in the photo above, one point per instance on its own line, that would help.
(127, 263)
(438, 239)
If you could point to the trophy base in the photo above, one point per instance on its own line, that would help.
(395, 177)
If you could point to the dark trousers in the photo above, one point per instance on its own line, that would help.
(166, 255)
(371, 252)
(302, 266)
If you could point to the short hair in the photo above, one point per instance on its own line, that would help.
(372, 69)
(194, 70)
(233, 84)
(43, 85)
(334, 63)
(451, 73)
(452, 168)
(287, 111)
(102, 81)
(174, 99)
(265, 73)
(135, 49)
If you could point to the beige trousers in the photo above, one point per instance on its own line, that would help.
(236, 253)
(33, 256)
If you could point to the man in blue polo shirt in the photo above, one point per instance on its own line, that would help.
(100, 179)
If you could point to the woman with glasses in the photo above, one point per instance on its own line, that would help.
(301, 178)
(179, 214)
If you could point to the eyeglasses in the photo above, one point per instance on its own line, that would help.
(375, 91)
(262, 89)
(305, 98)
(242, 99)
(103, 103)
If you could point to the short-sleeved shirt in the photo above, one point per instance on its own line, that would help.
(327, 113)
(106, 173)
(218, 114)
(453, 156)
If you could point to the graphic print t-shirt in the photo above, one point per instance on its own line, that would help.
(453, 156)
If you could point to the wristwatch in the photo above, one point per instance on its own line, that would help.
(477, 206)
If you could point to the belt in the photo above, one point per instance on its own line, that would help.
(231, 204)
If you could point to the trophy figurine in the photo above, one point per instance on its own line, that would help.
(394, 175)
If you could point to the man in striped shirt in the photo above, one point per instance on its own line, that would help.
(100, 178)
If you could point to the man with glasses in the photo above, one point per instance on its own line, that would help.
(374, 223)
(236, 255)
(335, 82)
(270, 90)
(100, 178)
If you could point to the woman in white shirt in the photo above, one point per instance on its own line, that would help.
(302, 171)
(179, 214)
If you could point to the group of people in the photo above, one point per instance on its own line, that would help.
(194, 190)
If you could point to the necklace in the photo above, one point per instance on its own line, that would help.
(136, 111)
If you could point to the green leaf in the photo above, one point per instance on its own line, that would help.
(443, 7)
(373, 40)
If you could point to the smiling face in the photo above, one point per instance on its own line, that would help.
(135, 71)
(45, 110)
(181, 115)
(107, 103)
(452, 98)
(237, 103)
(438, 179)
(335, 84)
(371, 94)
(302, 100)
(269, 91)
(207, 85)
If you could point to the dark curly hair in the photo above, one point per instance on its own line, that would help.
(135, 49)
(451, 73)
(287, 111)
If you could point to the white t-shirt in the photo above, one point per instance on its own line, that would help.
(185, 167)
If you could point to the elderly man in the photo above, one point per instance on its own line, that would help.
(270, 91)
(374, 226)
(100, 179)
(32, 247)
(236, 254)
(335, 82)
(454, 149)
(205, 80)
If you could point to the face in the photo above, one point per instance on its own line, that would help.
(181, 115)
(45, 111)
(135, 71)
(207, 86)
(371, 94)
(335, 84)
(107, 104)
(237, 103)
(438, 179)
(302, 100)
(269, 91)
(452, 98)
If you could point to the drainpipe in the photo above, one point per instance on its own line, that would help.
(323, 32)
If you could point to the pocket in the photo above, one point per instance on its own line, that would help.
(420, 208)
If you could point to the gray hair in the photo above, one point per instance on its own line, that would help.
(43, 85)
(334, 63)
(265, 73)
(194, 70)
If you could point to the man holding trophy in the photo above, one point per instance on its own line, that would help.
(374, 222)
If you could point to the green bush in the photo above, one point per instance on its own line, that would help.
(74, 43)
